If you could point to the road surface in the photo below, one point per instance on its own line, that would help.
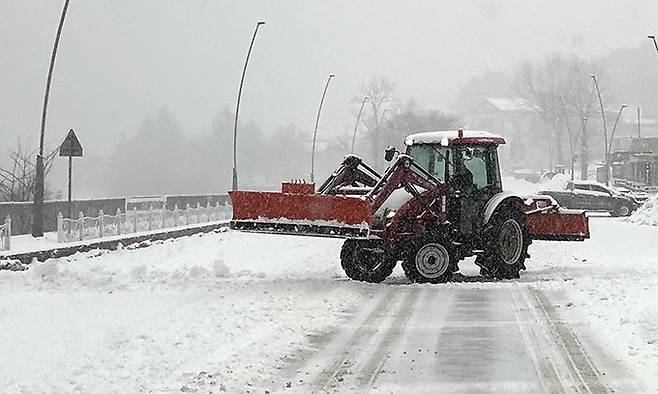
(455, 339)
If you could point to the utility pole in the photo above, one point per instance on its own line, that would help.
(317, 121)
(639, 131)
(234, 185)
(37, 207)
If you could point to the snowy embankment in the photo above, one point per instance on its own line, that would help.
(647, 213)
(165, 317)
(612, 279)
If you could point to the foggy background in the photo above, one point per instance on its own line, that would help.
(150, 86)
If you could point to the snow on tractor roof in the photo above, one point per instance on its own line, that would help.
(453, 136)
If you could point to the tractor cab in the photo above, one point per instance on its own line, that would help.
(467, 163)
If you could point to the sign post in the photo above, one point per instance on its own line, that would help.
(70, 147)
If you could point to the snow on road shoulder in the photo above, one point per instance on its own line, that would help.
(647, 213)
(164, 318)
(612, 279)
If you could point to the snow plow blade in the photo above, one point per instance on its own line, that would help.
(559, 225)
(300, 214)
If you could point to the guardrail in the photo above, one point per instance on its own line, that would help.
(5, 234)
(83, 228)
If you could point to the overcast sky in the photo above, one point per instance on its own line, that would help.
(120, 60)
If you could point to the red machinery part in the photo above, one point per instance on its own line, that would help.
(297, 188)
(560, 225)
(265, 206)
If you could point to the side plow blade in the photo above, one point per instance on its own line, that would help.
(301, 214)
(559, 225)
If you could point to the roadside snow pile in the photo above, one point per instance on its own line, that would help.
(218, 309)
(522, 187)
(647, 213)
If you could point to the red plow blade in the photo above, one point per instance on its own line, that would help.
(304, 214)
(560, 225)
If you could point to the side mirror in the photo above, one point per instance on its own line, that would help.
(389, 153)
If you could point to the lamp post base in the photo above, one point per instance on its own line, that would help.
(37, 206)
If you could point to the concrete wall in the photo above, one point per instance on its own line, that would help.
(21, 212)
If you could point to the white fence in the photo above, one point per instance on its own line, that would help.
(5, 234)
(72, 230)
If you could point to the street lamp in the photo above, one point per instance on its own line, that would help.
(566, 120)
(237, 110)
(37, 207)
(655, 44)
(612, 136)
(358, 119)
(605, 129)
(317, 121)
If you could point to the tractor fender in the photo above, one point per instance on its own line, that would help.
(498, 200)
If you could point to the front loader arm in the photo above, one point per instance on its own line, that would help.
(351, 172)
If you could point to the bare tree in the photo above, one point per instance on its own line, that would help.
(18, 179)
(560, 88)
(380, 96)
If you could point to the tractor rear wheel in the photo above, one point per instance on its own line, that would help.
(366, 261)
(428, 259)
(506, 244)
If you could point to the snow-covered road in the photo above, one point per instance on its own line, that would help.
(247, 312)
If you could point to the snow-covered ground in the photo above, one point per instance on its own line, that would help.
(613, 279)
(159, 318)
(233, 305)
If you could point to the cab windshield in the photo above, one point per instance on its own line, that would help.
(433, 159)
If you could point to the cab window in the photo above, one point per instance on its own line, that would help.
(482, 163)
(432, 158)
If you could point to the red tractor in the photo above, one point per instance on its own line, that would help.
(440, 201)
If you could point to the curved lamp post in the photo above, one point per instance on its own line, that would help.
(37, 207)
(358, 119)
(566, 120)
(612, 136)
(655, 44)
(237, 110)
(605, 130)
(317, 121)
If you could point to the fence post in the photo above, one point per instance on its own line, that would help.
(187, 214)
(81, 226)
(118, 221)
(101, 225)
(164, 217)
(8, 232)
(134, 219)
(176, 213)
(60, 227)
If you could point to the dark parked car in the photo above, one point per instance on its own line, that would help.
(594, 196)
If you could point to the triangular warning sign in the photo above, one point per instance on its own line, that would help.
(71, 146)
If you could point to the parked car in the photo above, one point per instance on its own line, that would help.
(640, 197)
(594, 196)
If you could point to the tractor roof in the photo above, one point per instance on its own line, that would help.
(452, 136)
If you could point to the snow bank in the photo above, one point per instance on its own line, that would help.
(647, 213)
(164, 318)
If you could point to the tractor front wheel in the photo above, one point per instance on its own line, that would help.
(506, 246)
(428, 259)
(366, 261)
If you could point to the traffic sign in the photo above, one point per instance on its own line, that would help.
(71, 146)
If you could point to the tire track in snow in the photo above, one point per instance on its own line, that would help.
(575, 356)
(343, 359)
(371, 370)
